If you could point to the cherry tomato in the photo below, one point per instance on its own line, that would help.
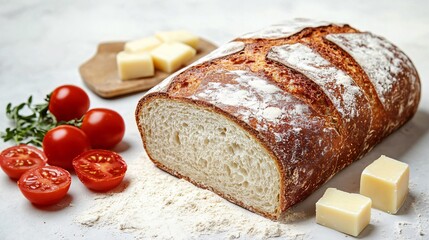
(45, 185)
(18, 159)
(63, 143)
(100, 170)
(68, 102)
(104, 127)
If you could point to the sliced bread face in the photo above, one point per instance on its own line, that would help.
(212, 151)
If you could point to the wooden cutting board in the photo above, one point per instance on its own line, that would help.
(100, 73)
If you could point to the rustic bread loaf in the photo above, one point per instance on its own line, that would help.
(266, 119)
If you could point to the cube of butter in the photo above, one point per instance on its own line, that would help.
(385, 181)
(179, 36)
(171, 56)
(346, 212)
(134, 65)
(144, 44)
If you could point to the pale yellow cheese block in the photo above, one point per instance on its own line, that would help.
(385, 181)
(346, 212)
(143, 44)
(169, 57)
(179, 36)
(134, 65)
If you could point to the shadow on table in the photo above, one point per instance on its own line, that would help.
(122, 146)
(396, 145)
(65, 202)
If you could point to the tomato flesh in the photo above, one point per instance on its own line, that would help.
(63, 143)
(105, 128)
(45, 185)
(68, 102)
(100, 170)
(17, 160)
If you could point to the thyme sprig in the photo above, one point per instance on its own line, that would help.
(31, 122)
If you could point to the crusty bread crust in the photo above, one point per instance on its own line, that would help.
(331, 141)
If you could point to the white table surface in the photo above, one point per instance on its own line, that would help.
(43, 42)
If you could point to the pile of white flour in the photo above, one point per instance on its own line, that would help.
(154, 204)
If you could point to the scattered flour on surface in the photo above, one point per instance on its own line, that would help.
(154, 204)
(416, 227)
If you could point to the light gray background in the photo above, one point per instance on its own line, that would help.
(43, 42)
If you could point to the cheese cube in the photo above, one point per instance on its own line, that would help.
(345, 212)
(134, 65)
(385, 181)
(144, 44)
(171, 56)
(179, 36)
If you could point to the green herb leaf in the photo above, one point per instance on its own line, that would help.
(31, 128)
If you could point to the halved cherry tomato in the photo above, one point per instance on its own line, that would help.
(63, 143)
(17, 160)
(104, 127)
(45, 185)
(100, 170)
(68, 102)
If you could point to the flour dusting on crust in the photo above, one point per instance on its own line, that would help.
(255, 97)
(381, 61)
(337, 85)
(286, 28)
